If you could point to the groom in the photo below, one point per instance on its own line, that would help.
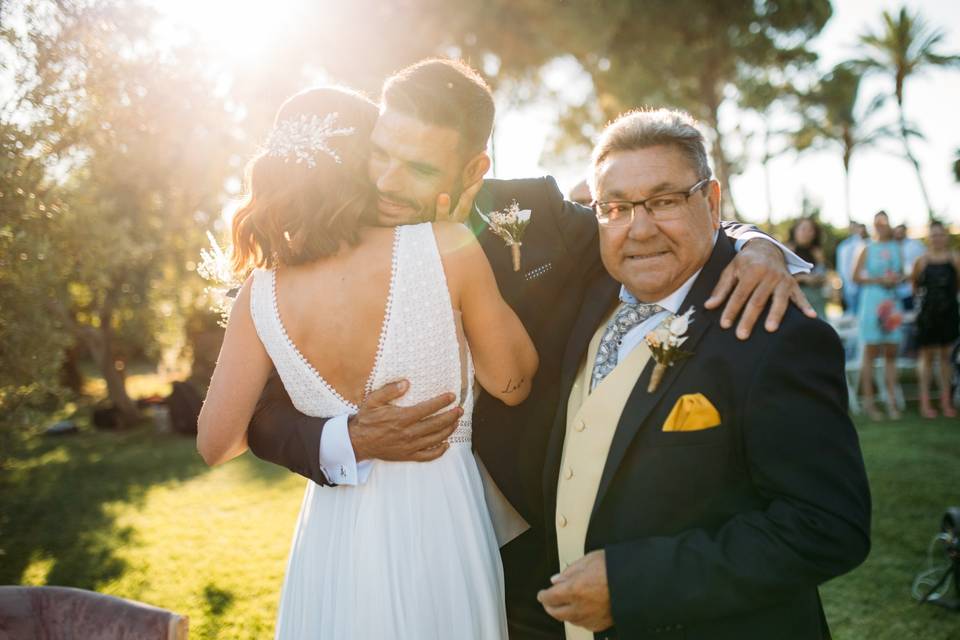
(711, 503)
(430, 140)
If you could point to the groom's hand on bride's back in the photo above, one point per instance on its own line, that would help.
(383, 431)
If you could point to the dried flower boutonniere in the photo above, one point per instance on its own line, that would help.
(665, 342)
(509, 224)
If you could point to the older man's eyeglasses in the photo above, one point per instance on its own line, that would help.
(663, 206)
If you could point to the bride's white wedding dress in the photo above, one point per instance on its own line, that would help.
(411, 553)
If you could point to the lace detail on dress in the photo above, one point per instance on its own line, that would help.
(388, 311)
(418, 338)
(421, 341)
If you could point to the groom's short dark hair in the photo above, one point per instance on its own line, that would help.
(447, 93)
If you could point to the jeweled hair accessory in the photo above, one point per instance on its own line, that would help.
(301, 139)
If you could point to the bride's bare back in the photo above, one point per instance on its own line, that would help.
(334, 310)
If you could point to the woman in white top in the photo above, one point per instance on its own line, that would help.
(340, 307)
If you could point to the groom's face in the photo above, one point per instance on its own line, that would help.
(411, 163)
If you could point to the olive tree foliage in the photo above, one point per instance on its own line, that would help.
(33, 339)
(131, 144)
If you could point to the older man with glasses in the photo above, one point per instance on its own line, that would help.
(702, 486)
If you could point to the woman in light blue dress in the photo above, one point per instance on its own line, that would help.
(878, 271)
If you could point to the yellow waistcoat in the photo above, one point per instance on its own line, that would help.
(591, 422)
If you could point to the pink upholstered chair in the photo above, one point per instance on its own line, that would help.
(63, 613)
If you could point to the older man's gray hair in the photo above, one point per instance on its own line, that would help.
(644, 128)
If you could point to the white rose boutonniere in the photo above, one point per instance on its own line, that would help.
(509, 224)
(665, 342)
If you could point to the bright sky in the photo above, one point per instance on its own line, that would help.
(879, 180)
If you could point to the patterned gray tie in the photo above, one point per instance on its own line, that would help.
(627, 317)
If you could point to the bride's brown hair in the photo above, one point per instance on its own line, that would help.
(294, 212)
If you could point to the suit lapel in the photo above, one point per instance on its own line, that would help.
(641, 403)
(483, 202)
(601, 294)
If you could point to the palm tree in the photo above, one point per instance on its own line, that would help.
(831, 118)
(905, 46)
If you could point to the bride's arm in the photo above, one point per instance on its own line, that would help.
(503, 354)
(238, 379)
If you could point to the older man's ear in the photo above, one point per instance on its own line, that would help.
(713, 198)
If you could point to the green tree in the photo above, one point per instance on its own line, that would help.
(33, 338)
(135, 143)
(831, 118)
(687, 54)
(767, 97)
(904, 47)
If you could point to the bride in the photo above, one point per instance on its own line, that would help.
(340, 307)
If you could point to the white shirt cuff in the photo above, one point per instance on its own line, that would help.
(337, 459)
(795, 264)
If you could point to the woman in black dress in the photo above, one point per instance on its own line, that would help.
(935, 280)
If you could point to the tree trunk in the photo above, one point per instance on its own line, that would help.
(909, 153)
(116, 385)
(766, 175)
(70, 375)
(711, 100)
(846, 186)
(723, 175)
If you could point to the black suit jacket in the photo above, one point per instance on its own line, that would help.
(560, 256)
(725, 532)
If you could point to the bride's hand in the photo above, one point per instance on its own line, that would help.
(460, 212)
(383, 431)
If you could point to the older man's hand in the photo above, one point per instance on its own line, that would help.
(580, 594)
(758, 273)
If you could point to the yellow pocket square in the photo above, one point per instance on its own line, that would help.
(692, 412)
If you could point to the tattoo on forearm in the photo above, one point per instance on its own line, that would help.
(511, 387)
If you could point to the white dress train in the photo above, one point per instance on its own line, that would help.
(411, 553)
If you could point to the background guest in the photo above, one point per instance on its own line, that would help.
(847, 252)
(938, 321)
(911, 249)
(806, 241)
(581, 194)
(879, 269)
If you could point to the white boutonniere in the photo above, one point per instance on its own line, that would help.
(665, 342)
(509, 224)
(215, 268)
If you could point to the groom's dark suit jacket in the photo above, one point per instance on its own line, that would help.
(726, 532)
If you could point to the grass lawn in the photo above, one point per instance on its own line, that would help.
(139, 515)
